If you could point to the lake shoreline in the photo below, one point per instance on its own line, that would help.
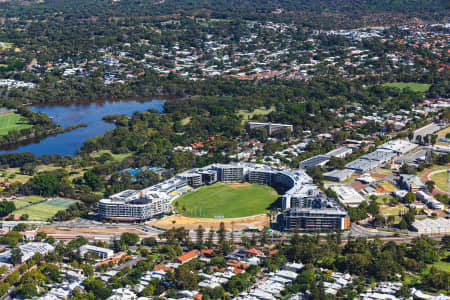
(140, 99)
(71, 116)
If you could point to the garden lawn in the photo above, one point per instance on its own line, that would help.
(393, 211)
(389, 187)
(442, 134)
(27, 200)
(12, 121)
(116, 157)
(229, 201)
(443, 265)
(384, 199)
(432, 169)
(441, 181)
(247, 115)
(415, 87)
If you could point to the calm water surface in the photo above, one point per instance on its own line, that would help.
(91, 113)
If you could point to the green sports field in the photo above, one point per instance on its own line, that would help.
(11, 121)
(229, 201)
(43, 211)
(415, 87)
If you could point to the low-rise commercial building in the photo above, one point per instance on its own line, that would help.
(398, 146)
(429, 200)
(318, 160)
(411, 182)
(432, 226)
(347, 195)
(340, 152)
(338, 175)
(102, 253)
(270, 127)
(28, 250)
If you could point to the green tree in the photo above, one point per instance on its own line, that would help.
(403, 225)
(4, 287)
(222, 233)
(430, 185)
(97, 287)
(409, 198)
(200, 233)
(13, 278)
(373, 208)
(88, 270)
(16, 256)
(185, 278)
(45, 184)
(129, 239)
(404, 292)
(92, 180)
(28, 290)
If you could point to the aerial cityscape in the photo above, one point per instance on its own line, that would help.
(246, 150)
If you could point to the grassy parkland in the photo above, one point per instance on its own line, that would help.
(227, 200)
(12, 121)
(40, 211)
(415, 87)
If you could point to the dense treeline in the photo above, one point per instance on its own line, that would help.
(308, 106)
(151, 84)
(320, 13)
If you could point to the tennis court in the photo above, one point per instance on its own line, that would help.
(60, 202)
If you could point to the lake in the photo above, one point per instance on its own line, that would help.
(73, 114)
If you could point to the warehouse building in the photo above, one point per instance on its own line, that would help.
(430, 226)
(347, 195)
(338, 175)
(340, 152)
(398, 146)
(381, 156)
(318, 160)
(362, 165)
(429, 200)
(370, 161)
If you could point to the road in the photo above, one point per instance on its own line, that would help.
(429, 129)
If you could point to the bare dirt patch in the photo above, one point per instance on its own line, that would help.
(88, 231)
(193, 223)
(238, 184)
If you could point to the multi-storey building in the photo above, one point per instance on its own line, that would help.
(305, 206)
(320, 214)
(230, 173)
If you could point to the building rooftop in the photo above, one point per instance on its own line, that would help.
(398, 146)
(314, 161)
